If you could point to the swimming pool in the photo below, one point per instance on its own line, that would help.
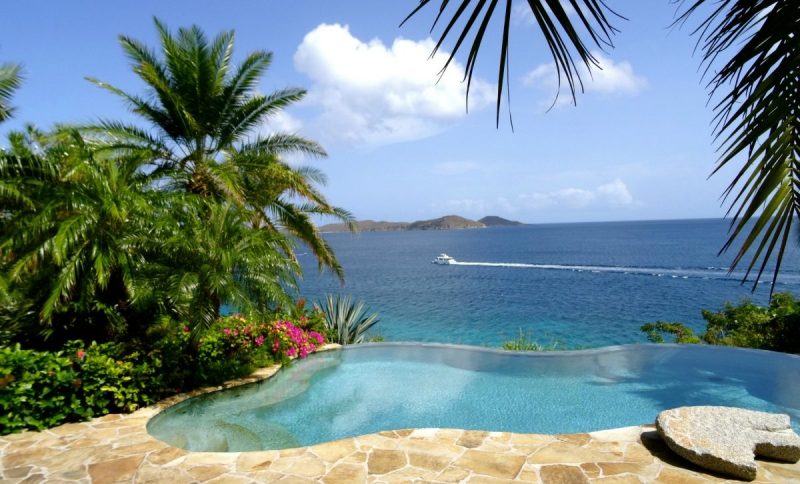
(368, 388)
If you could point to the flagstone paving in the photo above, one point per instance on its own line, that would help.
(117, 448)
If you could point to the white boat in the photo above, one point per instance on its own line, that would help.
(443, 260)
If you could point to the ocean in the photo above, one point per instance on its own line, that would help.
(564, 285)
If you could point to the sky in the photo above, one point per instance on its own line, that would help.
(401, 145)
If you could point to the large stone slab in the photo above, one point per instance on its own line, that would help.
(726, 440)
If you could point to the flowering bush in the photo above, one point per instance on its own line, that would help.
(289, 341)
(43, 389)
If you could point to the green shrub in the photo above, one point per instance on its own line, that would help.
(41, 389)
(776, 327)
(679, 331)
(525, 342)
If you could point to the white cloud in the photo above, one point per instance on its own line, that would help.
(280, 122)
(454, 167)
(372, 93)
(283, 122)
(615, 193)
(610, 78)
(612, 194)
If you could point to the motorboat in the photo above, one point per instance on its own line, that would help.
(443, 260)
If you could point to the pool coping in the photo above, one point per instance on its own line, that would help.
(118, 448)
(583, 351)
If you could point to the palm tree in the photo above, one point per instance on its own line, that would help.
(10, 80)
(72, 232)
(204, 114)
(754, 49)
(215, 257)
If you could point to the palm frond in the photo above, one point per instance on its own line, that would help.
(280, 143)
(10, 80)
(560, 32)
(758, 120)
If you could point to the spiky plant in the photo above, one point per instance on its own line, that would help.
(347, 321)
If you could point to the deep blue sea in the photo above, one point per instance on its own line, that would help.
(575, 285)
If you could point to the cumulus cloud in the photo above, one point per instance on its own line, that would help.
(615, 193)
(280, 122)
(611, 78)
(372, 93)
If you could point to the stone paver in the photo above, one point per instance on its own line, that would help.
(726, 439)
(117, 448)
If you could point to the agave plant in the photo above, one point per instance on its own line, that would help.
(347, 321)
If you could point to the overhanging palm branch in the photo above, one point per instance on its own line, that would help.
(10, 80)
(561, 34)
(757, 120)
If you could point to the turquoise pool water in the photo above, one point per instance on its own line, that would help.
(369, 388)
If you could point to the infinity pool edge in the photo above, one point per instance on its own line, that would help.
(118, 446)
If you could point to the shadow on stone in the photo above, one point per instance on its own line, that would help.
(656, 445)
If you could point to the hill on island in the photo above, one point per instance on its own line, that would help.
(448, 222)
(495, 221)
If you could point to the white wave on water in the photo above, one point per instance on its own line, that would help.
(674, 273)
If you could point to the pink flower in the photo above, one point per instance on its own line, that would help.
(80, 354)
(259, 340)
(227, 331)
(317, 337)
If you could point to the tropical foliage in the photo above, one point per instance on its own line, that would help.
(120, 245)
(347, 321)
(203, 136)
(40, 389)
(752, 49)
(108, 228)
(10, 80)
(776, 327)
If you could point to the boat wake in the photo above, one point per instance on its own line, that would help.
(715, 273)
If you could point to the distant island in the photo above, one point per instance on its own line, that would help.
(495, 221)
(448, 222)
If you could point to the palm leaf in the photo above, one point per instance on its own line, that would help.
(561, 35)
(754, 48)
(10, 80)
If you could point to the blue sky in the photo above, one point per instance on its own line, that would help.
(637, 146)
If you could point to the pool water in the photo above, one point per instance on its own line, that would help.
(369, 388)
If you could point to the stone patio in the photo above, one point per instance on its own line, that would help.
(117, 448)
